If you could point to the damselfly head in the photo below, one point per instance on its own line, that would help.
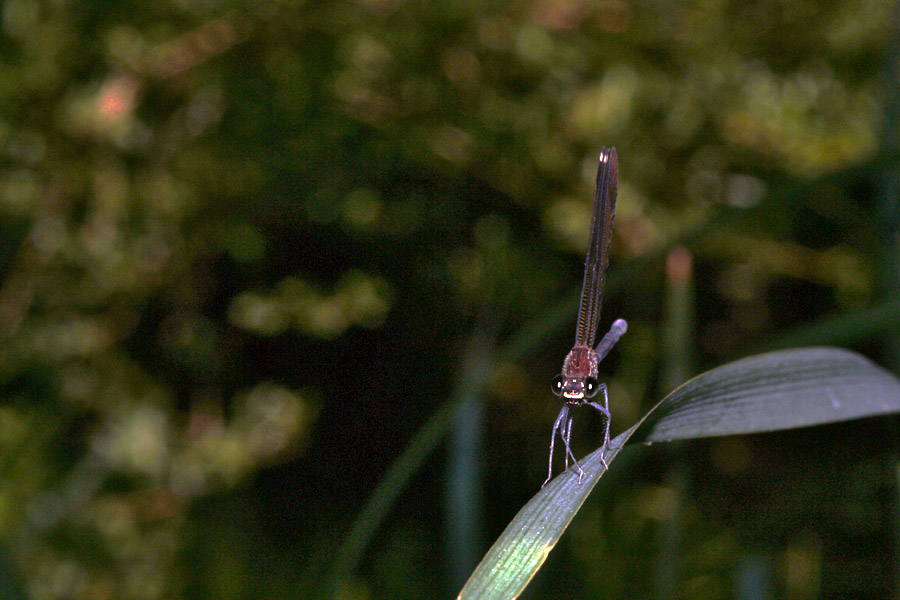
(575, 388)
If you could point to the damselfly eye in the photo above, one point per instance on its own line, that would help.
(557, 385)
(590, 387)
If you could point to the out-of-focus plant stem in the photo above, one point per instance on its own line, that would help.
(678, 353)
(888, 224)
(463, 487)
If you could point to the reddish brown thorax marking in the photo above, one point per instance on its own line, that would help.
(580, 366)
(581, 361)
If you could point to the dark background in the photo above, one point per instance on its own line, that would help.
(255, 252)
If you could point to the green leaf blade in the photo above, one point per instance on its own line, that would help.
(778, 390)
(525, 543)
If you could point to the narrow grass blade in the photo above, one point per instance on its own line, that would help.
(844, 329)
(477, 367)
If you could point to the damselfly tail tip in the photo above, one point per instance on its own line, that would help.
(606, 153)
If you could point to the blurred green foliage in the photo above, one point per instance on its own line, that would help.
(243, 242)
